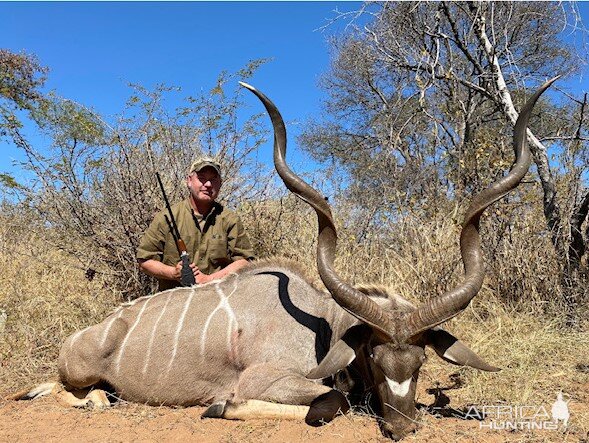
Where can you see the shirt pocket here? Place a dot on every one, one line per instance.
(217, 252)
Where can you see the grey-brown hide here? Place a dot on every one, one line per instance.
(253, 335)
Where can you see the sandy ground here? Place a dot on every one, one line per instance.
(47, 421)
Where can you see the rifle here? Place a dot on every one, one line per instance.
(186, 275)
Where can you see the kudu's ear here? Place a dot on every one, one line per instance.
(452, 350)
(342, 353)
(338, 357)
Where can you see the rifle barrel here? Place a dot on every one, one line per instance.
(176, 239)
(175, 231)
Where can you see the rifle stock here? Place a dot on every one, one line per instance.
(186, 274)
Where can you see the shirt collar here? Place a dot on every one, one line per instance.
(216, 209)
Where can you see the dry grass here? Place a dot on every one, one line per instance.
(537, 357)
(46, 296)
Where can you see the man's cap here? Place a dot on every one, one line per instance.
(203, 162)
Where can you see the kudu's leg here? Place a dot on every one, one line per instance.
(250, 409)
(80, 398)
(38, 391)
(95, 399)
(264, 391)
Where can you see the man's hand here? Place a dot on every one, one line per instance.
(202, 278)
(177, 275)
(198, 276)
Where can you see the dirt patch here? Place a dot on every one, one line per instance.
(46, 420)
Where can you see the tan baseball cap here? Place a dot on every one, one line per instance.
(203, 162)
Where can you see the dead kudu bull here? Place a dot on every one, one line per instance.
(259, 343)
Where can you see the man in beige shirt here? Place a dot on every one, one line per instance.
(214, 235)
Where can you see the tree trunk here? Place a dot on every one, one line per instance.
(552, 210)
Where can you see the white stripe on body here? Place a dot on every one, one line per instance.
(76, 336)
(109, 325)
(225, 306)
(179, 328)
(153, 334)
(129, 332)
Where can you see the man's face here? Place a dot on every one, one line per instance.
(204, 185)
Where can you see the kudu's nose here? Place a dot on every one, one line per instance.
(396, 433)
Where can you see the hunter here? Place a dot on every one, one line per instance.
(215, 238)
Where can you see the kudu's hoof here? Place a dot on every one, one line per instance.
(216, 410)
(325, 407)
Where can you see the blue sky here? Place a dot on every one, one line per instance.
(94, 50)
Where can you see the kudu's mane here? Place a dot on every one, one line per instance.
(286, 264)
(274, 263)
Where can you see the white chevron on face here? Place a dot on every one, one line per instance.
(399, 389)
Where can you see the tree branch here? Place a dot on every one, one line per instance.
(539, 151)
(457, 41)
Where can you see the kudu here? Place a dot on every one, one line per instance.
(258, 343)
